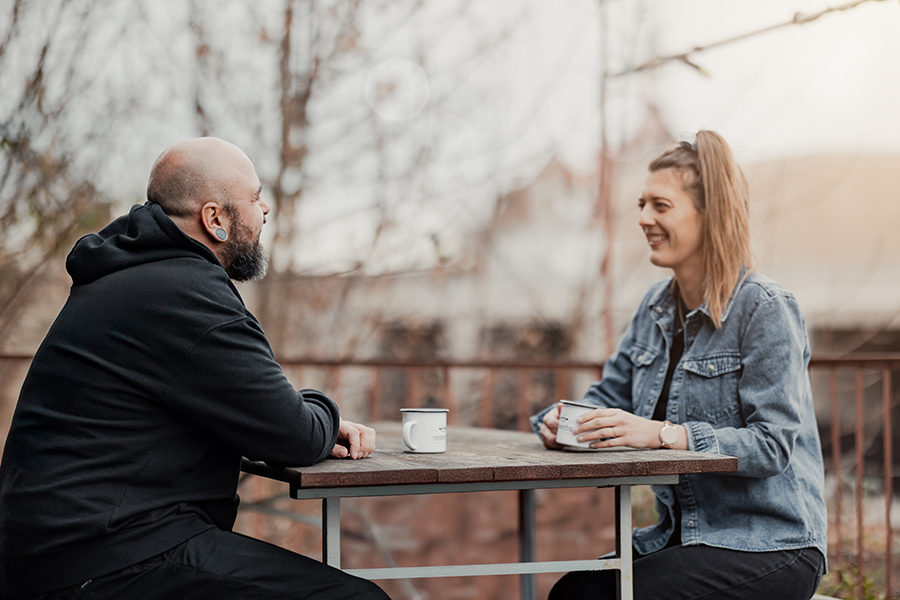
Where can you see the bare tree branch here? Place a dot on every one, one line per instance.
(685, 57)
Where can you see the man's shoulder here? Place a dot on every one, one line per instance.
(185, 286)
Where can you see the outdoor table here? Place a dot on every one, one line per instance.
(488, 460)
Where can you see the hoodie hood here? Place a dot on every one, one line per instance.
(146, 234)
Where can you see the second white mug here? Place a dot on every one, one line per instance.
(424, 429)
(568, 420)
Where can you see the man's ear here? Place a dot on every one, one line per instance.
(215, 221)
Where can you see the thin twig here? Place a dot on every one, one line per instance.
(685, 57)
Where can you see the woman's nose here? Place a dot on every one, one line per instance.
(646, 217)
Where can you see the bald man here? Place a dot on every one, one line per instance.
(120, 471)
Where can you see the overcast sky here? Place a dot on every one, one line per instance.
(826, 86)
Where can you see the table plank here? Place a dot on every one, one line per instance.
(484, 455)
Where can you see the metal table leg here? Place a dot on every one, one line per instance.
(527, 587)
(623, 542)
(331, 532)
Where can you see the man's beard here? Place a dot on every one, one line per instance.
(243, 256)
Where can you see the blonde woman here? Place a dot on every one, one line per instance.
(715, 360)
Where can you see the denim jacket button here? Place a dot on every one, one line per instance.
(710, 368)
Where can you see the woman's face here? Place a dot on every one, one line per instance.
(672, 224)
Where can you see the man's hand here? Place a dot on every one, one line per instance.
(354, 440)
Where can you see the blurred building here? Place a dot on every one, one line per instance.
(529, 284)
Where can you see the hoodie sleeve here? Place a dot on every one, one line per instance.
(230, 384)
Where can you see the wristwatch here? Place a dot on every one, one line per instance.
(668, 435)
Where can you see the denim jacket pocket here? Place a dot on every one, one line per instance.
(711, 387)
(641, 358)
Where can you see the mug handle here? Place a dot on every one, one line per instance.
(407, 438)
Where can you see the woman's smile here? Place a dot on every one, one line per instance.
(655, 239)
(671, 223)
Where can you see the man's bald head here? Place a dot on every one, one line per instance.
(196, 171)
(210, 190)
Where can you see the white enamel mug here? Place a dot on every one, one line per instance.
(568, 420)
(424, 429)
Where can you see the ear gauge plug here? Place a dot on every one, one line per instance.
(221, 234)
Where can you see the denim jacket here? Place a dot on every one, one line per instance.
(741, 390)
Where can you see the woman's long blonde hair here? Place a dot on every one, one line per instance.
(721, 196)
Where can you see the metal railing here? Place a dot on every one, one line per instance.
(412, 371)
(846, 465)
(854, 399)
(872, 418)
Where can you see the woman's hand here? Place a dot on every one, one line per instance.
(612, 427)
(549, 427)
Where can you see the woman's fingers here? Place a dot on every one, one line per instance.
(599, 418)
(614, 427)
(551, 419)
(549, 437)
(601, 433)
(549, 427)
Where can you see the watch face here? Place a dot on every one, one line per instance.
(668, 434)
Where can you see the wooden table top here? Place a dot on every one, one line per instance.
(486, 455)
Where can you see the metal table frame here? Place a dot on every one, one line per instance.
(483, 461)
(527, 568)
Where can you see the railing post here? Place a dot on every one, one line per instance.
(860, 472)
(413, 397)
(334, 383)
(375, 395)
(301, 376)
(561, 380)
(836, 452)
(486, 412)
(523, 398)
(449, 399)
(888, 476)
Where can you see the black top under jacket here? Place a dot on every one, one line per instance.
(150, 386)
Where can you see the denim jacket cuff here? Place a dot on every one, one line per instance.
(701, 437)
(537, 419)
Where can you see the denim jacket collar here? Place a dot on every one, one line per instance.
(663, 303)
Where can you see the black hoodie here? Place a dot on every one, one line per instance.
(151, 384)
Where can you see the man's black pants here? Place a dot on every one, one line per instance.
(221, 565)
